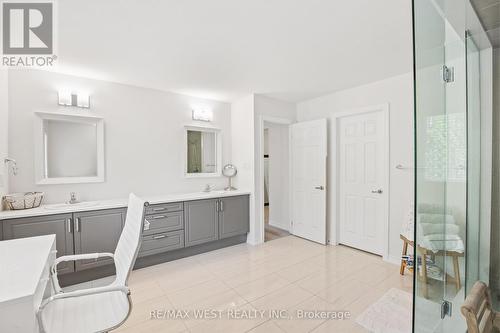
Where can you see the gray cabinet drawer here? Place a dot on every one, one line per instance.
(164, 222)
(162, 242)
(165, 208)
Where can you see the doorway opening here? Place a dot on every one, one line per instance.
(276, 181)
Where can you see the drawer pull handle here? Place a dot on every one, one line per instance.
(159, 209)
(159, 217)
(68, 225)
(77, 224)
(159, 237)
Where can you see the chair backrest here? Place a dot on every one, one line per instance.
(477, 309)
(130, 239)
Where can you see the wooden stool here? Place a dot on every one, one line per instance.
(424, 253)
(406, 242)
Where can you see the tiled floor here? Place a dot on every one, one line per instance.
(284, 274)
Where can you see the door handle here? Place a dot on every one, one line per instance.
(379, 191)
(221, 205)
(77, 224)
(68, 225)
(321, 187)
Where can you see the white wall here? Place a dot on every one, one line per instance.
(144, 131)
(398, 92)
(4, 116)
(242, 141)
(271, 110)
(279, 206)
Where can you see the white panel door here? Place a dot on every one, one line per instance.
(309, 150)
(363, 163)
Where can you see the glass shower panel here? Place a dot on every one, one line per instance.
(447, 164)
(430, 162)
(455, 219)
(441, 164)
(473, 162)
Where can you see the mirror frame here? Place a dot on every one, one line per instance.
(40, 153)
(218, 152)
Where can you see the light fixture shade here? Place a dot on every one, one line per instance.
(203, 114)
(64, 97)
(70, 98)
(83, 100)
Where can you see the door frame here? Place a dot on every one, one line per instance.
(259, 190)
(336, 117)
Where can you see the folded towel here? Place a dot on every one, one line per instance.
(429, 208)
(433, 228)
(441, 242)
(439, 219)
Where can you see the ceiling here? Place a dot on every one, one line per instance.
(224, 49)
(489, 14)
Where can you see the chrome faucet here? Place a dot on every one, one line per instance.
(73, 199)
(208, 188)
(14, 165)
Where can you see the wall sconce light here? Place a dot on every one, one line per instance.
(69, 98)
(203, 115)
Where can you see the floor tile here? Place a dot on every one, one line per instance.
(261, 287)
(282, 299)
(288, 273)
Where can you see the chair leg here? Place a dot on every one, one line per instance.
(456, 269)
(424, 275)
(403, 263)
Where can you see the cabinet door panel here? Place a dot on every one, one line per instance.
(234, 216)
(200, 222)
(97, 231)
(59, 225)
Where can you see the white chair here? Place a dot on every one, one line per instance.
(103, 308)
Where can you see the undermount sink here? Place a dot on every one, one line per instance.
(68, 205)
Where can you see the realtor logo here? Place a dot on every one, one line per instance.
(27, 28)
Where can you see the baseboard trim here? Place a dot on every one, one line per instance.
(159, 258)
(279, 226)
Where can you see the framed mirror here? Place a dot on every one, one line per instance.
(68, 148)
(203, 147)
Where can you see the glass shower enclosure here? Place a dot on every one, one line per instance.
(448, 157)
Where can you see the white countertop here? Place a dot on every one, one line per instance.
(22, 262)
(117, 203)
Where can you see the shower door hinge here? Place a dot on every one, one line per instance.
(448, 74)
(446, 308)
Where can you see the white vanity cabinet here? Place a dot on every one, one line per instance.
(175, 227)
